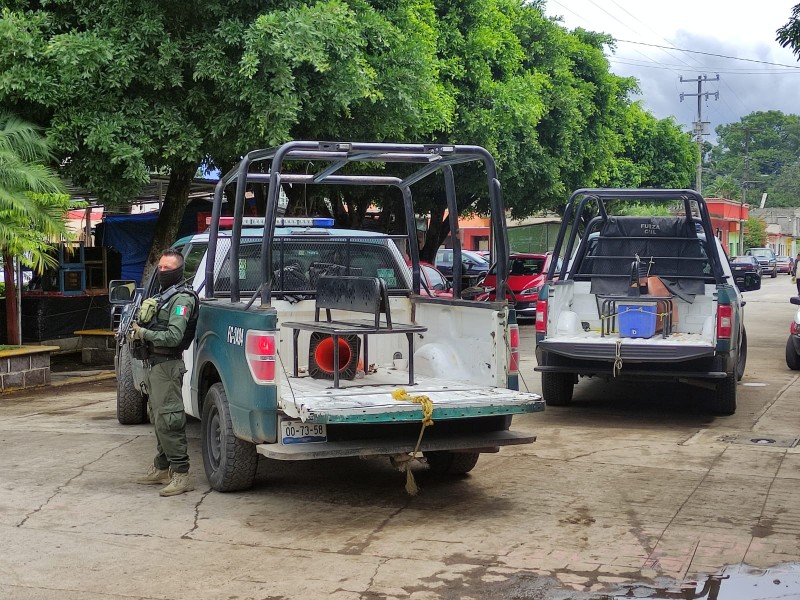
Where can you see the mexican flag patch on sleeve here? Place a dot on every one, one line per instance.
(181, 310)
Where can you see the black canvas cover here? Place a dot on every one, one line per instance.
(667, 247)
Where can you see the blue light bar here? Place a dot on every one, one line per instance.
(304, 222)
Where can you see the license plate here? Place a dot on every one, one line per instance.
(297, 432)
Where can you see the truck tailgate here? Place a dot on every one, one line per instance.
(370, 400)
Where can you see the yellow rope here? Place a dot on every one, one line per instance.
(427, 413)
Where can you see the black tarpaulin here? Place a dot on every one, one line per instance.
(667, 247)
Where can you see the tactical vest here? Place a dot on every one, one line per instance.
(191, 325)
(147, 351)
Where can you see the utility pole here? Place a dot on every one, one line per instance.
(701, 127)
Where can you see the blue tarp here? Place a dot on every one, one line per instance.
(131, 236)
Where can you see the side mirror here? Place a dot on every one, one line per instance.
(795, 299)
(121, 291)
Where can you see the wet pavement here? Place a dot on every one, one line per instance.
(626, 493)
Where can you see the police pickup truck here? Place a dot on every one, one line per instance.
(314, 342)
(645, 293)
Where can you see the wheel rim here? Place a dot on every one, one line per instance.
(214, 440)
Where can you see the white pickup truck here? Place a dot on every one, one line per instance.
(643, 298)
(314, 342)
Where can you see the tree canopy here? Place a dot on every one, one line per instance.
(758, 154)
(127, 88)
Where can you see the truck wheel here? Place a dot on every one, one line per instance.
(230, 463)
(774, 273)
(792, 358)
(557, 388)
(741, 360)
(131, 404)
(723, 402)
(451, 463)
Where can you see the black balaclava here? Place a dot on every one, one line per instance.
(170, 277)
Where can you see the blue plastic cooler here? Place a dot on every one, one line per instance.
(637, 320)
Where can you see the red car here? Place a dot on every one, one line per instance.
(434, 283)
(526, 274)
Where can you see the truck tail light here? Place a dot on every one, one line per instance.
(260, 351)
(724, 321)
(513, 342)
(794, 328)
(541, 316)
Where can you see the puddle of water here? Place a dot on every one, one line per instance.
(734, 583)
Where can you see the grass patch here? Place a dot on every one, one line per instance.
(6, 347)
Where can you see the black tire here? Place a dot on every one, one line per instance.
(557, 388)
(230, 463)
(131, 404)
(723, 400)
(451, 463)
(792, 358)
(774, 273)
(741, 361)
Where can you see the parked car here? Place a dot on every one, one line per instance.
(785, 264)
(793, 343)
(472, 263)
(766, 257)
(434, 283)
(746, 269)
(526, 274)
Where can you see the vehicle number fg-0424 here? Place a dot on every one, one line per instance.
(297, 432)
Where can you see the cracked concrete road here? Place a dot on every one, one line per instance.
(625, 485)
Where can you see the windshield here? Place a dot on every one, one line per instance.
(762, 252)
(522, 266)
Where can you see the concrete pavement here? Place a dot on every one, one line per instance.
(621, 487)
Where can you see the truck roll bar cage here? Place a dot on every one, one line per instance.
(332, 157)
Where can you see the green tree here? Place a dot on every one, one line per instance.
(32, 206)
(755, 233)
(789, 34)
(723, 186)
(651, 152)
(756, 149)
(785, 190)
(539, 98)
(132, 87)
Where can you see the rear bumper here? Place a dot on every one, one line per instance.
(656, 362)
(482, 442)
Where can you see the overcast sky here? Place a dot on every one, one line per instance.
(744, 30)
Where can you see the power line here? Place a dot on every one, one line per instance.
(635, 62)
(638, 20)
(763, 62)
(585, 20)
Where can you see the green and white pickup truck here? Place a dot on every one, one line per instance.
(645, 293)
(285, 300)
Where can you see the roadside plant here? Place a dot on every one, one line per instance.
(33, 204)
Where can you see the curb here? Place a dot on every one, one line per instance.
(84, 379)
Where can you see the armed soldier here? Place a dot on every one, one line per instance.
(165, 328)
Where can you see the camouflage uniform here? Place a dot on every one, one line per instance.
(163, 381)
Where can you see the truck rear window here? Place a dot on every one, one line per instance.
(297, 264)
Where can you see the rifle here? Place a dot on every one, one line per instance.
(129, 314)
